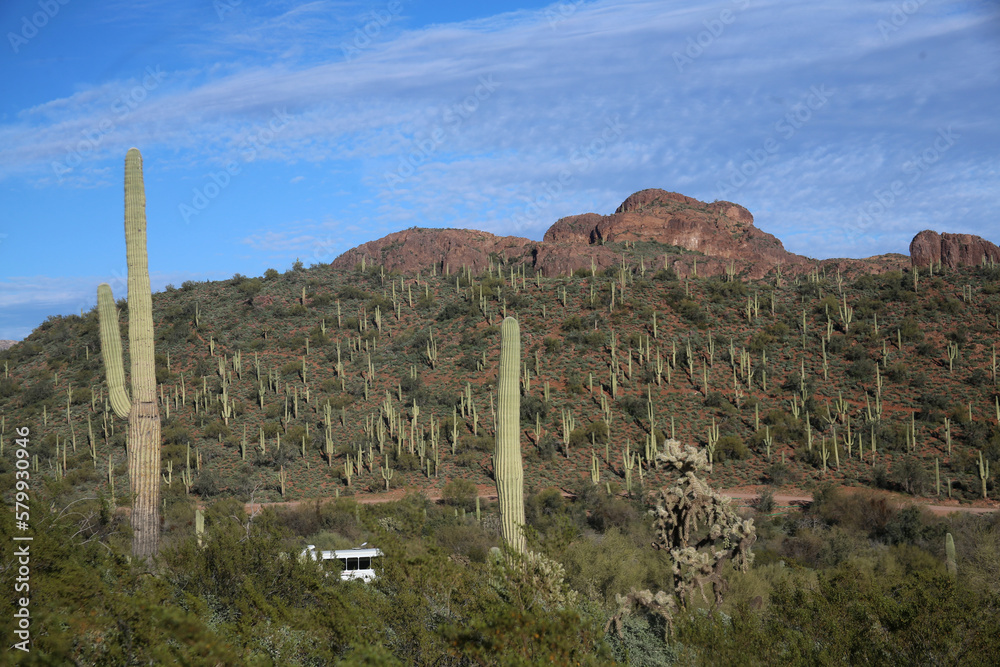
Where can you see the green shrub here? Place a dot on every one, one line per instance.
(460, 492)
(731, 447)
(352, 292)
(778, 474)
(532, 406)
(572, 324)
(597, 430)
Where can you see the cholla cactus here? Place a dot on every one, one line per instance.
(699, 528)
(530, 579)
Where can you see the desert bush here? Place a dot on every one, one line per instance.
(731, 447)
(465, 540)
(764, 503)
(352, 292)
(910, 475)
(468, 459)
(778, 474)
(456, 309)
(530, 407)
(547, 447)
(460, 492)
(909, 330)
(611, 511)
(596, 431)
(39, 392)
(9, 387)
(862, 369)
(216, 429)
(206, 484)
(573, 383)
(601, 569)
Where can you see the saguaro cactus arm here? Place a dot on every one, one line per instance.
(111, 351)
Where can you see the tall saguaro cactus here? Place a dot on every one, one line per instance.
(507, 458)
(141, 410)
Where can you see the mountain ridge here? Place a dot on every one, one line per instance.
(691, 236)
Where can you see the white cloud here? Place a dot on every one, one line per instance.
(81, 291)
(408, 100)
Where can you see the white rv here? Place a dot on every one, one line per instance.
(357, 563)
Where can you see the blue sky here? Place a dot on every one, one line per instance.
(280, 130)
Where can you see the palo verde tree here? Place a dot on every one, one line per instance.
(141, 410)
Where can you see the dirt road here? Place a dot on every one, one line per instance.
(488, 492)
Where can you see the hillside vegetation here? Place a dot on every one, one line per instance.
(312, 385)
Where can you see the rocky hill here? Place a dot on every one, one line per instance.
(720, 229)
(5, 344)
(951, 250)
(663, 228)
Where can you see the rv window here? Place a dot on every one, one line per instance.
(343, 561)
(365, 563)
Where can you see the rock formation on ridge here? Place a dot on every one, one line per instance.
(951, 249)
(708, 237)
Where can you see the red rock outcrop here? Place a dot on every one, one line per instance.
(554, 259)
(876, 264)
(720, 229)
(418, 248)
(951, 250)
(707, 238)
(573, 229)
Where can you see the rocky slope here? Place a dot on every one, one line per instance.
(686, 234)
(720, 229)
(951, 249)
(4, 344)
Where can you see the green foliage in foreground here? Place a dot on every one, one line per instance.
(852, 615)
(850, 581)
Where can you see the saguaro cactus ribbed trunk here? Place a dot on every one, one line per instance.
(141, 410)
(507, 459)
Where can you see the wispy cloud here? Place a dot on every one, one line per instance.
(20, 291)
(408, 128)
